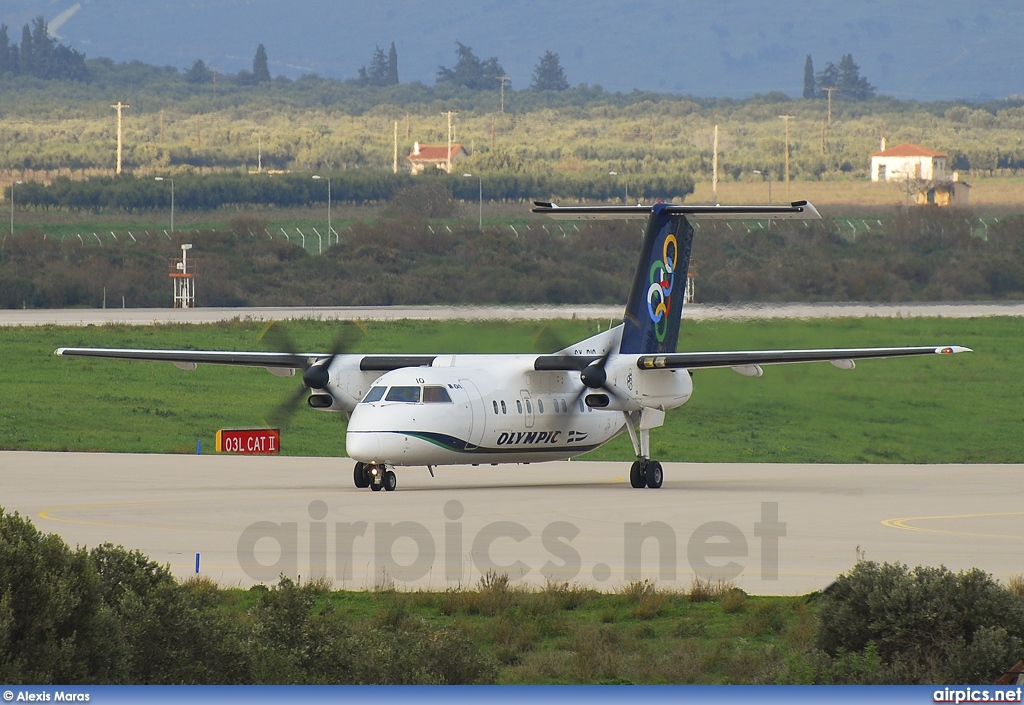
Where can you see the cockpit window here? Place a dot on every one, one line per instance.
(410, 395)
(436, 395)
(375, 394)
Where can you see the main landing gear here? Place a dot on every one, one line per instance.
(644, 472)
(376, 477)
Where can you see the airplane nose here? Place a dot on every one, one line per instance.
(363, 446)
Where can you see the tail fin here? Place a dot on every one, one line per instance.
(655, 305)
(651, 321)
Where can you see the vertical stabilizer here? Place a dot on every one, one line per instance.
(655, 304)
(651, 321)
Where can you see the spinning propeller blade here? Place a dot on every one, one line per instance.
(315, 368)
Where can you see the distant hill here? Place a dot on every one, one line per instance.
(919, 49)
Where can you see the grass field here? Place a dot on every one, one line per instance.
(964, 408)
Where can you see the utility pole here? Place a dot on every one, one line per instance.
(119, 107)
(787, 118)
(714, 167)
(259, 155)
(450, 113)
(394, 166)
(503, 79)
(829, 89)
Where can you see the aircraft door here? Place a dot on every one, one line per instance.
(527, 407)
(478, 419)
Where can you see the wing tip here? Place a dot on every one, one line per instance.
(952, 350)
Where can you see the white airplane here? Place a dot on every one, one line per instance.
(443, 409)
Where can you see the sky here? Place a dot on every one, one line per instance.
(920, 49)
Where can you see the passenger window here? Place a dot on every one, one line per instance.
(495, 406)
(410, 395)
(564, 410)
(503, 410)
(375, 394)
(519, 406)
(436, 395)
(529, 407)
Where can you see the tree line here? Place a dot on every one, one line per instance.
(918, 254)
(844, 78)
(210, 192)
(39, 55)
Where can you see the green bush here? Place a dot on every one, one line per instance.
(925, 625)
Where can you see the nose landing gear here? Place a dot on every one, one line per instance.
(376, 477)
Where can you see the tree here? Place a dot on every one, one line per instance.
(846, 79)
(260, 67)
(549, 75)
(808, 78)
(26, 63)
(828, 77)
(379, 71)
(393, 66)
(5, 51)
(42, 49)
(852, 85)
(470, 72)
(199, 73)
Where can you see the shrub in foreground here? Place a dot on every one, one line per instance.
(891, 623)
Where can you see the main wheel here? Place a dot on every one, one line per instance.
(360, 476)
(390, 480)
(376, 486)
(637, 477)
(655, 475)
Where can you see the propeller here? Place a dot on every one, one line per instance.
(594, 376)
(316, 373)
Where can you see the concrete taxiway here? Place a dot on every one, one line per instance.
(697, 312)
(771, 529)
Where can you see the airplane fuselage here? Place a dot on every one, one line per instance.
(478, 409)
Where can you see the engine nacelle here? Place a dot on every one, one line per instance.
(346, 386)
(641, 389)
(662, 389)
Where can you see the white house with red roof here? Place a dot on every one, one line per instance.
(425, 155)
(908, 161)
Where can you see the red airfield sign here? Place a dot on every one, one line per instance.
(253, 441)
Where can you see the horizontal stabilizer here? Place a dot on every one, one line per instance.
(798, 210)
(743, 358)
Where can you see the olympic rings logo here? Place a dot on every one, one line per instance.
(662, 278)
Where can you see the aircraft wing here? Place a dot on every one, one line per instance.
(270, 360)
(840, 357)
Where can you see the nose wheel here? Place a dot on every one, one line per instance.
(376, 477)
(360, 476)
